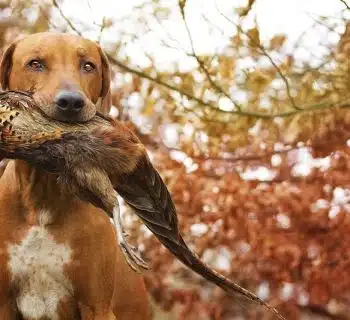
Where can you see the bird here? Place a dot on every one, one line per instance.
(97, 161)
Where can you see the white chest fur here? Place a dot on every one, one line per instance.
(36, 266)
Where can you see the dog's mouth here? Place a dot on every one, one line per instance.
(52, 111)
(69, 116)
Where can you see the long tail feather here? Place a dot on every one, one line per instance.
(146, 193)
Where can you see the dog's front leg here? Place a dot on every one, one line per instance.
(93, 268)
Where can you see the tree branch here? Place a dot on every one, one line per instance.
(345, 4)
(320, 106)
(102, 28)
(65, 18)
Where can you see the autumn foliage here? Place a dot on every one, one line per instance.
(261, 184)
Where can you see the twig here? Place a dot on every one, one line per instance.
(89, 5)
(65, 18)
(170, 37)
(214, 26)
(345, 4)
(301, 36)
(318, 20)
(102, 27)
(47, 18)
(263, 50)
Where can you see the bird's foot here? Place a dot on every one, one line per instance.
(131, 254)
(132, 258)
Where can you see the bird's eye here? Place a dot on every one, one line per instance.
(36, 65)
(88, 66)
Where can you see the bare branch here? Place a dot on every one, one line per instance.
(157, 80)
(169, 36)
(345, 4)
(102, 28)
(65, 18)
(46, 16)
(319, 20)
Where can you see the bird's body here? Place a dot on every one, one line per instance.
(95, 159)
(88, 155)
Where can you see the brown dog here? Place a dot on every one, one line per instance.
(58, 256)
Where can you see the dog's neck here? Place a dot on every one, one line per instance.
(39, 191)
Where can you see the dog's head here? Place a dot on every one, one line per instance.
(68, 75)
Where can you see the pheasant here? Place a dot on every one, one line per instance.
(96, 161)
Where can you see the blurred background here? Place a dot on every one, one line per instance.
(244, 108)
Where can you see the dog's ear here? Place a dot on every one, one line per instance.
(6, 65)
(105, 96)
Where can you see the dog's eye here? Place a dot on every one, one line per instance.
(88, 67)
(36, 65)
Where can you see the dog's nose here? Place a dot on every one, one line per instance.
(69, 102)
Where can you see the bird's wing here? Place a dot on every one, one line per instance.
(145, 191)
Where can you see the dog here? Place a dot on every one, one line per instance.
(59, 258)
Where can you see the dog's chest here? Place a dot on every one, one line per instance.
(36, 267)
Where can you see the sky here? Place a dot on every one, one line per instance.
(290, 17)
(274, 16)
